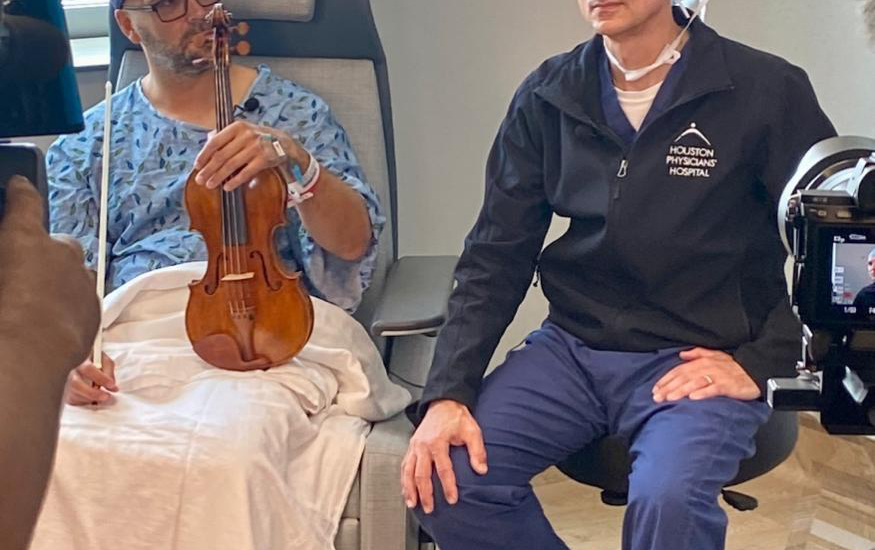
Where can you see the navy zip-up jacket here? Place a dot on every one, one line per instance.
(673, 237)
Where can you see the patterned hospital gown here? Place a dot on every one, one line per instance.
(151, 158)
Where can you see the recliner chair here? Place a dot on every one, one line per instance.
(332, 47)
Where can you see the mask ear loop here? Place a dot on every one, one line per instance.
(673, 46)
(684, 9)
(701, 8)
(698, 13)
(669, 55)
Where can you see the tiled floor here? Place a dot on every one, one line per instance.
(822, 498)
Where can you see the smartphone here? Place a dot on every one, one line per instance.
(26, 160)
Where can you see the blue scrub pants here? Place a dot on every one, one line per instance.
(553, 397)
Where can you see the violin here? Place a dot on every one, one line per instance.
(247, 312)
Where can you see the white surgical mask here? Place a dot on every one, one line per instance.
(670, 54)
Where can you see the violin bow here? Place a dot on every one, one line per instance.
(101, 232)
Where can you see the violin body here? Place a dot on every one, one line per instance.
(247, 312)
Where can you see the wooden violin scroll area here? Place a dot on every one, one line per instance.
(242, 48)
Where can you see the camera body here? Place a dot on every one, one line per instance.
(827, 221)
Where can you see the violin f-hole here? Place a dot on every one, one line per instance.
(211, 277)
(265, 272)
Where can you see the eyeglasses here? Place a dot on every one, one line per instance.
(169, 10)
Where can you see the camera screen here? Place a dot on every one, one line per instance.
(853, 275)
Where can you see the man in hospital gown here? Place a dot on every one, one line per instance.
(191, 442)
(161, 131)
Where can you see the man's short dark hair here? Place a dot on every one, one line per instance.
(869, 17)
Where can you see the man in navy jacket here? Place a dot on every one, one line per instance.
(668, 303)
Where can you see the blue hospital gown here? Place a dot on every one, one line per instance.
(151, 158)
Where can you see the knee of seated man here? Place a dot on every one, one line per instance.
(490, 489)
(465, 475)
(667, 488)
(499, 472)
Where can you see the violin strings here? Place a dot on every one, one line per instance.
(223, 123)
(234, 196)
(229, 197)
(227, 235)
(224, 205)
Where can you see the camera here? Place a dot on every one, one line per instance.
(827, 222)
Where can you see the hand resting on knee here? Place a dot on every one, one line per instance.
(446, 423)
(705, 374)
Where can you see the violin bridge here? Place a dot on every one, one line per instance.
(231, 277)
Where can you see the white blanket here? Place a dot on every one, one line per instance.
(190, 457)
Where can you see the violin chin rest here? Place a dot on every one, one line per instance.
(222, 351)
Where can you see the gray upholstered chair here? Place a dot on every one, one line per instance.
(332, 48)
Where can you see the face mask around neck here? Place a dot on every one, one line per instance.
(668, 56)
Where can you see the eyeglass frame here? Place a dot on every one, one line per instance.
(153, 7)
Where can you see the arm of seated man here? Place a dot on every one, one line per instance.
(336, 216)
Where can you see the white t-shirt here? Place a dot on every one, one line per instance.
(636, 105)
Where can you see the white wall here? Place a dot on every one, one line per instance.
(825, 37)
(454, 64)
(453, 67)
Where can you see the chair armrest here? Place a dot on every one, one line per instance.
(385, 522)
(411, 361)
(415, 297)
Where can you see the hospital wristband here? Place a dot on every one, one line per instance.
(299, 187)
(302, 186)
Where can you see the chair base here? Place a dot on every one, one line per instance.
(739, 501)
(614, 498)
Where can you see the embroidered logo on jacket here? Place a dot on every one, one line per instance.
(691, 155)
